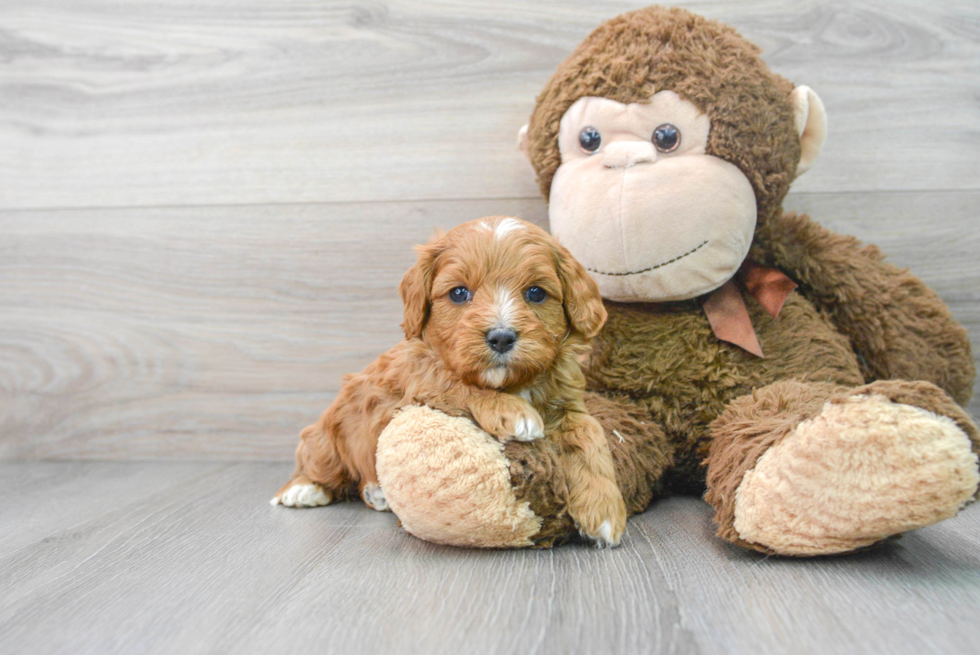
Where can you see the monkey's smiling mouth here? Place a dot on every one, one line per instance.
(655, 267)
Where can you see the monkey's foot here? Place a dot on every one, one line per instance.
(858, 472)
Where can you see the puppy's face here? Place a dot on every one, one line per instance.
(496, 298)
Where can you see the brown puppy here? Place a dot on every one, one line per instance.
(497, 316)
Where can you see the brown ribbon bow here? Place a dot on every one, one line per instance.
(726, 311)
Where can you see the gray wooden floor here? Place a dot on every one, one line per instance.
(205, 210)
(128, 557)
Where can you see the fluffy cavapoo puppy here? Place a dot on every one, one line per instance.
(497, 317)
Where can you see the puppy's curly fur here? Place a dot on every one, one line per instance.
(498, 316)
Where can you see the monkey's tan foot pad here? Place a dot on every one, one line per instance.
(857, 473)
(302, 493)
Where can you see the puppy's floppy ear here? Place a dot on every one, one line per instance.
(583, 304)
(415, 289)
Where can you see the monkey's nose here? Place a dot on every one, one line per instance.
(501, 340)
(623, 154)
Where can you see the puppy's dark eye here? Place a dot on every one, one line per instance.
(459, 295)
(590, 139)
(535, 295)
(666, 138)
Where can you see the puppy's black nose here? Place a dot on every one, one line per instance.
(501, 340)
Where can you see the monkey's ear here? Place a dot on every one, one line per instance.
(415, 289)
(522, 142)
(811, 125)
(583, 304)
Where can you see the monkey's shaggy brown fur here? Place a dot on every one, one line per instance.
(680, 407)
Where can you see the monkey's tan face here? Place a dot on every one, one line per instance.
(642, 206)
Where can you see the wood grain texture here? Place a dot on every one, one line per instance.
(204, 565)
(245, 102)
(220, 332)
(205, 209)
(212, 332)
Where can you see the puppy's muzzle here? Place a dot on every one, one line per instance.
(501, 340)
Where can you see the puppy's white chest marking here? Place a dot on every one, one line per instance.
(494, 377)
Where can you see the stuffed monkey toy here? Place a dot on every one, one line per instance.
(809, 389)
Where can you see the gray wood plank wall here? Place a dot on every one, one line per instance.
(206, 206)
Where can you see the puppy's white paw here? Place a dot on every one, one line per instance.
(303, 495)
(528, 428)
(606, 535)
(605, 538)
(374, 498)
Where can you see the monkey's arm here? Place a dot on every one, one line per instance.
(898, 326)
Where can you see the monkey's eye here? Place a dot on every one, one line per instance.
(535, 295)
(590, 139)
(666, 138)
(459, 295)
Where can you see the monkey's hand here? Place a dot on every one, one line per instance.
(507, 417)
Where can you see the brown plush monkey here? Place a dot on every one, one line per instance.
(808, 387)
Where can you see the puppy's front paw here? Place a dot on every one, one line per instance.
(605, 537)
(507, 417)
(599, 513)
(518, 420)
(374, 497)
(529, 427)
(302, 494)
